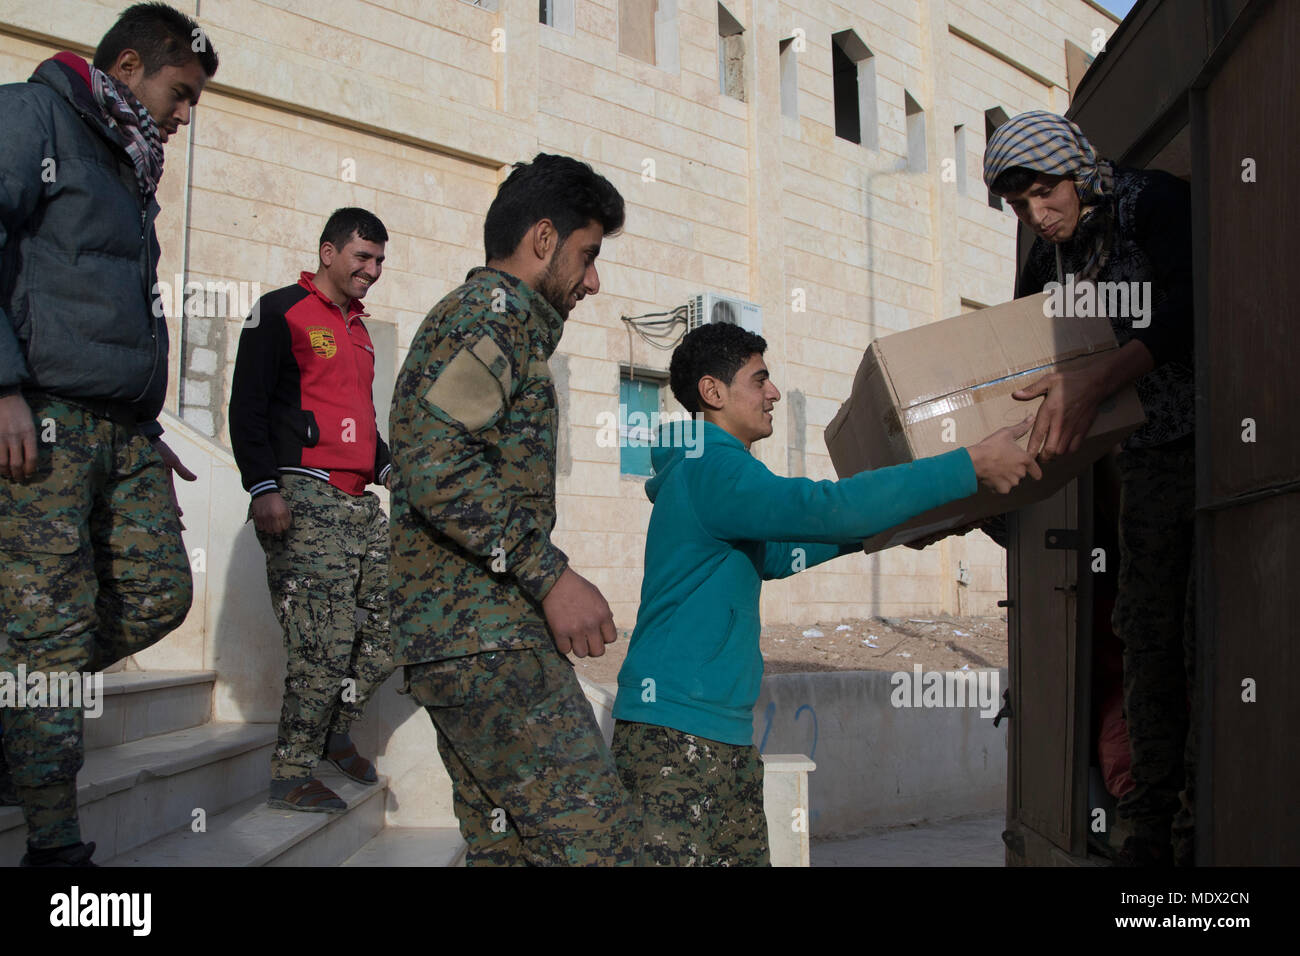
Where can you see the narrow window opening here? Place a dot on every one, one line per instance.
(915, 133)
(731, 55)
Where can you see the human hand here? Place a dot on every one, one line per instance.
(17, 438)
(1066, 414)
(579, 616)
(271, 515)
(999, 462)
(174, 467)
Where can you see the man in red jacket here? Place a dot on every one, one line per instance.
(302, 425)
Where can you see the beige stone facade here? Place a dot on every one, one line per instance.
(413, 109)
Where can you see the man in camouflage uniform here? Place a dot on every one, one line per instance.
(94, 568)
(484, 605)
(302, 425)
(701, 799)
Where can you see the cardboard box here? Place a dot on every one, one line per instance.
(927, 391)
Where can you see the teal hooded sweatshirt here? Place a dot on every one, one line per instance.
(722, 523)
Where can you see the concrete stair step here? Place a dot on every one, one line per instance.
(135, 792)
(254, 834)
(139, 704)
(411, 846)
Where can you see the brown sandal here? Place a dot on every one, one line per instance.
(352, 765)
(312, 796)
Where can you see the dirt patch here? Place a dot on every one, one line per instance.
(936, 642)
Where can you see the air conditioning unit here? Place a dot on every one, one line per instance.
(710, 307)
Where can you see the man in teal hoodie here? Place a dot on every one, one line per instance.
(721, 524)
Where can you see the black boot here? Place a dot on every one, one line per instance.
(8, 792)
(78, 854)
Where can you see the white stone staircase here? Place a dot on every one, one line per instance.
(190, 725)
(164, 785)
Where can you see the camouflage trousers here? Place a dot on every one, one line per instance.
(94, 569)
(1153, 618)
(328, 577)
(534, 783)
(701, 801)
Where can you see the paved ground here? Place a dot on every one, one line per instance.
(973, 841)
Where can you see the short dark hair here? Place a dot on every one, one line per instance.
(162, 35)
(1016, 179)
(342, 223)
(718, 349)
(559, 188)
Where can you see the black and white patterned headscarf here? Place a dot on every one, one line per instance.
(1048, 143)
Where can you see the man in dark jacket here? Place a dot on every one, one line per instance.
(302, 425)
(90, 541)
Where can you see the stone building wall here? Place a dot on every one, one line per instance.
(415, 109)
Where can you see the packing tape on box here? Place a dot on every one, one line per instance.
(1062, 359)
(968, 396)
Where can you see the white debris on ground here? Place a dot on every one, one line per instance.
(944, 642)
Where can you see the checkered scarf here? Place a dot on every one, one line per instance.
(137, 128)
(1048, 143)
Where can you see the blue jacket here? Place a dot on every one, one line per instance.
(721, 524)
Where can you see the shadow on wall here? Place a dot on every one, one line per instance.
(247, 646)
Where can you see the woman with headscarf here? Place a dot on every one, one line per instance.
(1096, 222)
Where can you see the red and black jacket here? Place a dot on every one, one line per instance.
(301, 399)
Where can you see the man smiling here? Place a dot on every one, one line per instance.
(721, 525)
(90, 538)
(302, 425)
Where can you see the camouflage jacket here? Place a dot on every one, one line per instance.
(473, 432)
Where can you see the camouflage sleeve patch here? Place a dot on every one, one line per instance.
(472, 388)
(488, 352)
